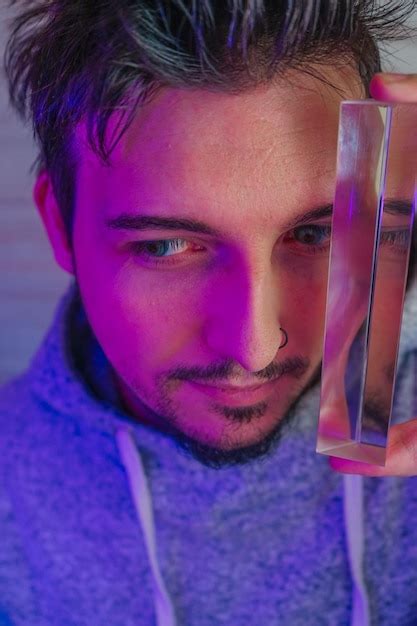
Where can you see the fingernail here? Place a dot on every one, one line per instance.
(393, 78)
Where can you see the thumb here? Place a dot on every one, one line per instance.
(394, 87)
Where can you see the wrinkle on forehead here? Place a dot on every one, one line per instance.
(294, 87)
(223, 150)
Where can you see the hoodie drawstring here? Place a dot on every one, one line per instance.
(354, 526)
(139, 490)
(353, 519)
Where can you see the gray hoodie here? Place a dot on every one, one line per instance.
(107, 522)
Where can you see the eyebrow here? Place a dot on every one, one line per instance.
(399, 207)
(145, 222)
(129, 222)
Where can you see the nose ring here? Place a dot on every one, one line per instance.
(286, 339)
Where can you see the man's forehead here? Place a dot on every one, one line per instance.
(198, 120)
(220, 156)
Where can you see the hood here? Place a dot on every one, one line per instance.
(59, 364)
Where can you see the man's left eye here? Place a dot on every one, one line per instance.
(160, 247)
(163, 250)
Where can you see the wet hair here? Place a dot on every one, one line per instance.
(71, 60)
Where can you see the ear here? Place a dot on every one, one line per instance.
(48, 208)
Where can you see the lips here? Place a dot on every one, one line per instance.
(236, 389)
(248, 395)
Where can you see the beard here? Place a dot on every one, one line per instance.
(165, 419)
(218, 458)
(81, 343)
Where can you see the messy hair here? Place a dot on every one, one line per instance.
(72, 60)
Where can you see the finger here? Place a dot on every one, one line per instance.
(394, 87)
(401, 455)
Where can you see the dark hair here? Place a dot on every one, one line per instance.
(68, 60)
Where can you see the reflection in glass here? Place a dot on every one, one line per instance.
(372, 226)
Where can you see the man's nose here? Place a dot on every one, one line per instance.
(243, 318)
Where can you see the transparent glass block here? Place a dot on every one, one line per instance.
(372, 226)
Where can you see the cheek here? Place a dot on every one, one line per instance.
(143, 324)
(139, 317)
(305, 311)
(160, 326)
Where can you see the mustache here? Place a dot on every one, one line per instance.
(295, 366)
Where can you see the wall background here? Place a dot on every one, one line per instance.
(30, 280)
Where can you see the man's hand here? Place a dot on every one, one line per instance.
(401, 455)
(402, 438)
(394, 87)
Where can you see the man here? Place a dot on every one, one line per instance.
(137, 487)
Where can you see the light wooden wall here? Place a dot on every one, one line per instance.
(30, 280)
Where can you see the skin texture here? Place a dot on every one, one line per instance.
(246, 165)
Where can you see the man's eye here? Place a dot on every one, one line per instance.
(313, 238)
(161, 247)
(310, 239)
(160, 251)
(398, 239)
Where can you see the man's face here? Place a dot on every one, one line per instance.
(172, 308)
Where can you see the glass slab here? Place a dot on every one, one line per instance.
(372, 229)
